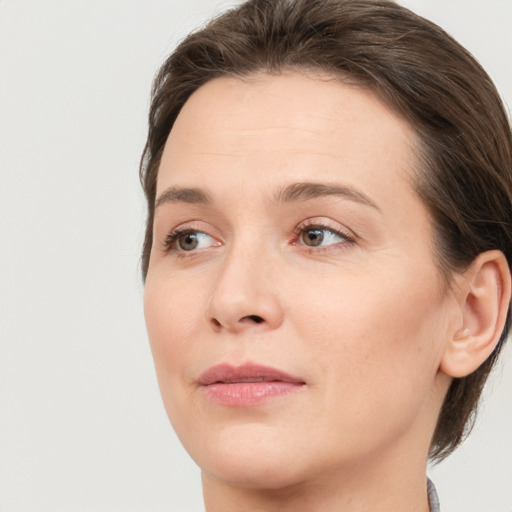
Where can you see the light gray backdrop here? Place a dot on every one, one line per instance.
(81, 423)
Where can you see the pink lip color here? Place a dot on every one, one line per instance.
(250, 384)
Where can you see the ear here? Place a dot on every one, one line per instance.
(484, 301)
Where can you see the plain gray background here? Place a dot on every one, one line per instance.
(82, 427)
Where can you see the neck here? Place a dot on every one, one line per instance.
(357, 489)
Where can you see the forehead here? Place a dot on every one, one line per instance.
(289, 126)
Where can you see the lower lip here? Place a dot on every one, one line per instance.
(244, 394)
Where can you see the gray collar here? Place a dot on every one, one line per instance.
(433, 500)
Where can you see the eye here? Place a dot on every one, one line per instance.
(321, 236)
(188, 240)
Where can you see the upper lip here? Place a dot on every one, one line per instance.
(226, 373)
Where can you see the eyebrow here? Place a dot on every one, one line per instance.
(291, 193)
(184, 195)
(305, 191)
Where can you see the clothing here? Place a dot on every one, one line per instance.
(433, 500)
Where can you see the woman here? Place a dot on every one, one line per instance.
(326, 257)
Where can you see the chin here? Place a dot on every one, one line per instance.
(245, 473)
(262, 463)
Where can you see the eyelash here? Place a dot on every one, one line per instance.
(173, 237)
(307, 226)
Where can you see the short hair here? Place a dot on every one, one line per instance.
(464, 174)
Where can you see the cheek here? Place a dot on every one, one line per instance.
(375, 358)
(373, 330)
(173, 313)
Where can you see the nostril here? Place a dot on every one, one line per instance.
(254, 318)
(215, 322)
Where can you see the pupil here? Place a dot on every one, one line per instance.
(314, 237)
(188, 242)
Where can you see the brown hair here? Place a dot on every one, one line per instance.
(465, 176)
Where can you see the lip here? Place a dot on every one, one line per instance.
(248, 384)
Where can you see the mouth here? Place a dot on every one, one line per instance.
(246, 385)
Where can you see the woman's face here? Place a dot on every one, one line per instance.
(294, 308)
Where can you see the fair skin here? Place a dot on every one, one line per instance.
(337, 287)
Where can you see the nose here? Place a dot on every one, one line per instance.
(245, 294)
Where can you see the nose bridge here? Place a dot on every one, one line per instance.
(245, 293)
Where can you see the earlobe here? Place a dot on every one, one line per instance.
(484, 302)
